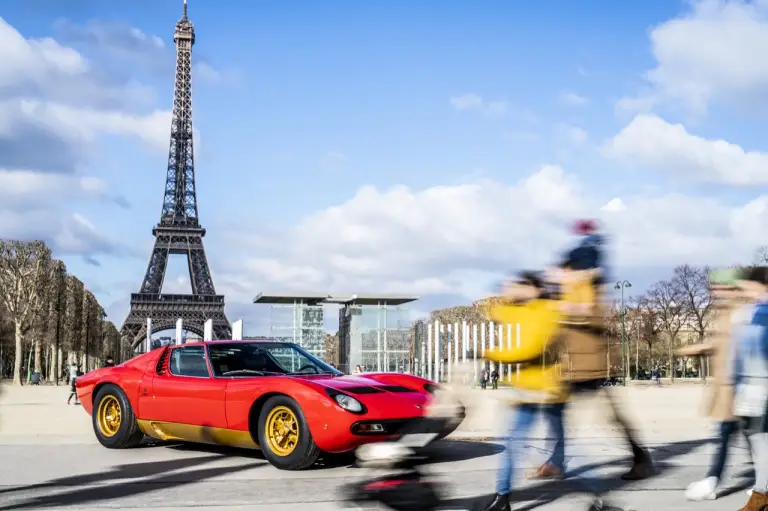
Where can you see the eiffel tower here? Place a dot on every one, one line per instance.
(179, 230)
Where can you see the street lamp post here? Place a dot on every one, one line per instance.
(621, 285)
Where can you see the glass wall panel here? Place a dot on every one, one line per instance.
(301, 324)
(382, 337)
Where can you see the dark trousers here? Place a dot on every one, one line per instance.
(495, 383)
(483, 384)
(555, 419)
(72, 393)
(727, 430)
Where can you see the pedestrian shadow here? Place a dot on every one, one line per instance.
(449, 451)
(134, 479)
(547, 492)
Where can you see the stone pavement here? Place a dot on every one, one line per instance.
(38, 414)
(51, 460)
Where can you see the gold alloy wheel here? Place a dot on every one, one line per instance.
(282, 430)
(109, 416)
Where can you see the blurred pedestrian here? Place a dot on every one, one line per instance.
(537, 390)
(579, 279)
(750, 377)
(728, 314)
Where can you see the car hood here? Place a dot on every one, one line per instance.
(353, 382)
(384, 395)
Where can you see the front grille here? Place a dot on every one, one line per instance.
(391, 426)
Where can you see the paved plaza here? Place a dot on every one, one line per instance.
(51, 460)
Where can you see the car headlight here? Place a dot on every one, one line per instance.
(348, 403)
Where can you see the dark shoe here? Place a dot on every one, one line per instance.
(546, 471)
(499, 503)
(639, 471)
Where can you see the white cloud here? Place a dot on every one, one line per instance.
(470, 102)
(715, 51)
(573, 99)
(614, 205)
(649, 141)
(54, 106)
(460, 239)
(111, 36)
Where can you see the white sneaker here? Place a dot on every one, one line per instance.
(749, 492)
(702, 490)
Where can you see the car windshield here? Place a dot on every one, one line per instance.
(264, 359)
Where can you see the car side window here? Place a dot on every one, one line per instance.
(189, 361)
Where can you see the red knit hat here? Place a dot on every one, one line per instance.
(585, 227)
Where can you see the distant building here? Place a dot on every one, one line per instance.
(374, 333)
(374, 330)
(298, 318)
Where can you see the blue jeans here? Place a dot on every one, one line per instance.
(519, 429)
(554, 416)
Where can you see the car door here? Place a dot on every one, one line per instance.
(184, 393)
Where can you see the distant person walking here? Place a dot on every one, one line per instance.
(358, 370)
(73, 374)
(484, 379)
(494, 380)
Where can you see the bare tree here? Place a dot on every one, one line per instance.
(649, 325)
(58, 306)
(25, 271)
(698, 302)
(667, 299)
(331, 343)
(761, 256)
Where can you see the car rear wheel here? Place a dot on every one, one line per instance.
(114, 422)
(284, 436)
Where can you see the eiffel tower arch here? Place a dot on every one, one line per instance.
(179, 230)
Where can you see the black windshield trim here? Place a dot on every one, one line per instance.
(325, 368)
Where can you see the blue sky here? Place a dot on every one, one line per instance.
(422, 147)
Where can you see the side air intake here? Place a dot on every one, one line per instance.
(162, 364)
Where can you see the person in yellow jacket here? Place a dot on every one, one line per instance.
(571, 319)
(537, 390)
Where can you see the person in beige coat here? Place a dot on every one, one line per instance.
(718, 403)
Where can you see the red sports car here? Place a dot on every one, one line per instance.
(264, 395)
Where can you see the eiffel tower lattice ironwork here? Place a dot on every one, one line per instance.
(179, 230)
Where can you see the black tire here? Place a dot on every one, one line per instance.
(305, 452)
(127, 433)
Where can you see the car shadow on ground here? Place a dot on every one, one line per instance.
(120, 482)
(442, 451)
(549, 491)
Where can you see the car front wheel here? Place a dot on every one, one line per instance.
(284, 436)
(114, 422)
